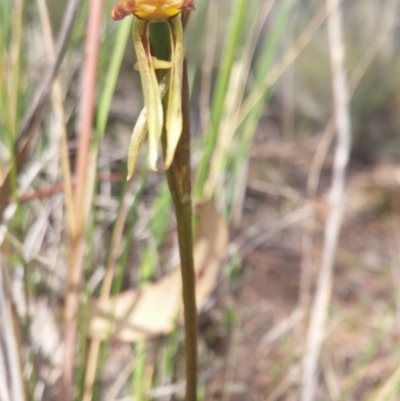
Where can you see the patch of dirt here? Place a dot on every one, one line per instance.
(263, 363)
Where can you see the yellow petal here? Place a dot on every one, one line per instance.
(151, 10)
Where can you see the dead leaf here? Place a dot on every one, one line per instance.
(209, 250)
(138, 315)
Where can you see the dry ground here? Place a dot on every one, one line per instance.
(361, 347)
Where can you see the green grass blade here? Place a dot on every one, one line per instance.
(230, 50)
(158, 227)
(196, 39)
(111, 77)
(263, 66)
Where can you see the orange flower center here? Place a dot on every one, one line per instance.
(151, 10)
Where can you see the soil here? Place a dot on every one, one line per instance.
(263, 363)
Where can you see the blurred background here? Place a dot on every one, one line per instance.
(263, 144)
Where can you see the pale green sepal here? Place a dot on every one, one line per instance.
(138, 134)
(152, 98)
(140, 131)
(157, 64)
(174, 111)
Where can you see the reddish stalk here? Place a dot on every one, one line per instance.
(88, 97)
(84, 182)
(59, 187)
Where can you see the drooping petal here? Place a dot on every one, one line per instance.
(138, 134)
(174, 109)
(152, 98)
(140, 130)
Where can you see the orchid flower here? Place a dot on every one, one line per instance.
(151, 119)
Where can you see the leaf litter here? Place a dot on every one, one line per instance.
(135, 315)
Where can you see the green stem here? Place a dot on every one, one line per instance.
(179, 182)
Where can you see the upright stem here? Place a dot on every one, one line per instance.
(179, 182)
(180, 186)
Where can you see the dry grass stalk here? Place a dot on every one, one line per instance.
(319, 159)
(94, 349)
(337, 193)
